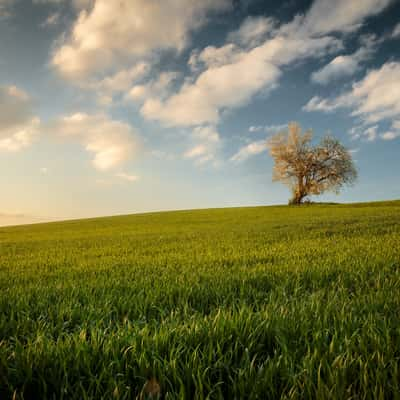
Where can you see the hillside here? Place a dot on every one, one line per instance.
(262, 302)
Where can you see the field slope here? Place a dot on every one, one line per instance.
(264, 302)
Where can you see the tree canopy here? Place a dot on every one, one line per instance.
(307, 169)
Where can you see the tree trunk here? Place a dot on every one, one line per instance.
(297, 199)
(299, 192)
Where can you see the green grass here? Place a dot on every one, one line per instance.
(265, 302)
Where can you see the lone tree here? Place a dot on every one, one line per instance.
(310, 170)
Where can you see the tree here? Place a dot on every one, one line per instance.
(310, 170)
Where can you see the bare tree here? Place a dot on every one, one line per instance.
(310, 170)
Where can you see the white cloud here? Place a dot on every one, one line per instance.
(375, 98)
(123, 79)
(117, 83)
(369, 134)
(114, 31)
(212, 56)
(341, 15)
(18, 126)
(269, 129)
(257, 128)
(229, 76)
(206, 133)
(235, 83)
(394, 133)
(318, 103)
(390, 135)
(196, 151)
(253, 30)
(249, 150)
(396, 31)
(346, 65)
(207, 140)
(111, 142)
(340, 66)
(158, 87)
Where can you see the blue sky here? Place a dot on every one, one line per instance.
(121, 106)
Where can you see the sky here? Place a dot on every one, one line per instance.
(122, 106)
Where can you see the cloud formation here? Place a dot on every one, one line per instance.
(393, 133)
(270, 129)
(233, 73)
(396, 31)
(373, 99)
(18, 126)
(253, 30)
(114, 31)
(206, 144)
(111, 142)
(232, 84)
(249, 150)
(345, 16)
(345, 65)
(118, 58)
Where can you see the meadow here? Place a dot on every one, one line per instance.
(243, 303)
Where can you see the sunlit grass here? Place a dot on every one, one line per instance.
(266, 302)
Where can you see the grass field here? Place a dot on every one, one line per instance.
(264, 302)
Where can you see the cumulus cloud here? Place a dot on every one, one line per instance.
(327, 16)
(222, 78)
(230, 76)
(154, 87)
(114, 31)
(253, 30)
(345, 65)
(339, 67)
(212, 56)
(122, 80)
(206, 143)
(373, 99)
(111, 142)
(18, 126)
(233, 84)
(249, 150)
